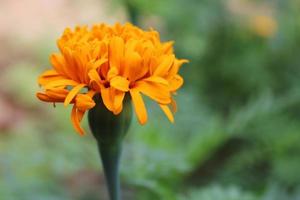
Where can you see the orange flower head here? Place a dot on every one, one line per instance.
(111, 61)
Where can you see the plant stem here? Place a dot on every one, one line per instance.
(110, 156)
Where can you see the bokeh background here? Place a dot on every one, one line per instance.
(237, 131)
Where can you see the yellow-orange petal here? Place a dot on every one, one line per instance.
(98, 63)
(95, 79)
(84, 102)
(112, 72)
(156, 79)
(175, 67)
(43, 97)
(116, 51)
(59, 94)
(168, 112)
(132, 69)
(139, 106)
(168, 47)
(61, 82)
(175, 82)
(164, 66)
(73, 93)
(118, 101)
(49, 76)
(58, 63)
(158, 92)
(75, 118)
(120, 83)
(107, 98)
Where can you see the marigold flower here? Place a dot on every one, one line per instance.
(112, 61)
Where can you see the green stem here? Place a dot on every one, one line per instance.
(110, 156)
(109, 131)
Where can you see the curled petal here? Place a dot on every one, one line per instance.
(44, 97)
(175, 82)
(76, 117)
(73, 93)
(84, 102)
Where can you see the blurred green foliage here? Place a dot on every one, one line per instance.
(237, 131)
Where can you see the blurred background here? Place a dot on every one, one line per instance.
(237, 131)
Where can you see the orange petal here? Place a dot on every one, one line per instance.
(58, 63)
(43, 97)
(118, 101)
(98, 63)
(75, 118)
(175, 82)
(70, 68)
(107, 98)
(158, 92)
(133, 69)
(61, 82)
(168, 47)
(163, 68)
(116, 52)
(168, 112)
(112, 72)
(73, 93)
(175, 67)
(84, 102)
(48, 76)
(57, 94)
(139, 106)
(95, 78)
(156, 79)
(120, 83)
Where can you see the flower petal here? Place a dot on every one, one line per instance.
(120, 83)
(116, 52)
(61, 82)
(139, 106)
(156, 79)
(73, 93)
(107, 98)
(163, 68)
(118, 101)
(168, 112)
(112, 72)
(76, 117)
(175, 82)
(58, 63)
(49, 76)
(132, 69)
(84, 102)
(59, 94)
(158, 92)
(44, 97)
